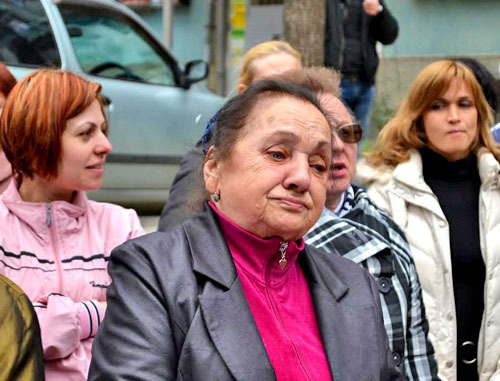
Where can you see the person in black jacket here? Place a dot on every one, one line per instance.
(352, 30)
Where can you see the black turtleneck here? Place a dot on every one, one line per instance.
(456, 185)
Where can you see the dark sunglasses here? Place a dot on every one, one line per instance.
(350, 133)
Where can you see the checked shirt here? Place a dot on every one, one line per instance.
(366, 235)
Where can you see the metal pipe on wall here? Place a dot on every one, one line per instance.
(220, 46)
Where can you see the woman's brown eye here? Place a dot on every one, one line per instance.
(437, 106)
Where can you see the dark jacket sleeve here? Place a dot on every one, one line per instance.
(187, 184)
(384, 27)
(21, 355)
(136, 339)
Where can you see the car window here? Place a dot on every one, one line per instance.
(109, 44)
(26, 37)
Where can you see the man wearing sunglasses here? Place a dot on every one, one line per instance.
(352, 226)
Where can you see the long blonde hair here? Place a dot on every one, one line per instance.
(406, 131)
(260, 51)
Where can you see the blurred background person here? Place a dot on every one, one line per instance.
(7, 82)
(234, 293)
(490, 89)
(435, 169)
(353, 227)
(263, 60)
(55, 243)
(21, 355)
(352, 29)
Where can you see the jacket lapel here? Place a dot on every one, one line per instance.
(327, 290)
(225, 310)
(235, 334)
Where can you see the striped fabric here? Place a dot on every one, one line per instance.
(367, 235)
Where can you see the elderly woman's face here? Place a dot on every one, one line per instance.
(450, 124)
(274, 181)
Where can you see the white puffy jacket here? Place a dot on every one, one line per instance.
(402, 192)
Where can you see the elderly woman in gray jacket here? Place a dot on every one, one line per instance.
(234, 293)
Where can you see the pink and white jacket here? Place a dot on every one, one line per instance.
(58, 254)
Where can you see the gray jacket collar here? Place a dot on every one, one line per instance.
(204, 237)
(226, 311)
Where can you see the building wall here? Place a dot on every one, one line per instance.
(431, 30)
(446, 27)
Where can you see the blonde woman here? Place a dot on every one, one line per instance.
(263, 60)
(435, 169)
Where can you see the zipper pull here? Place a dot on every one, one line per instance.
(48, 219)
(283, 262)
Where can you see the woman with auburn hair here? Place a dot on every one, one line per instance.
(7, 82)
(435, 169)
(263, 60)
(54, 242)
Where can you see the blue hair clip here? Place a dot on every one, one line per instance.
(207, 135)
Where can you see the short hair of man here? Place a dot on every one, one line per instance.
(34, 119)
(317, 79)
(262, 50)
(7, 80)
(405, 130)
(236, 112)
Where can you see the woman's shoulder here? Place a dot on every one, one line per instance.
(110, 216)
(367, 174)
(13, 297)
(156, 248)
(382, 175)
(106, 208)
(489, 167)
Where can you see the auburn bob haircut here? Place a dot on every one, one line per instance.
(34, 118)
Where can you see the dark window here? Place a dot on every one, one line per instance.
(26, 37)
(109, 44)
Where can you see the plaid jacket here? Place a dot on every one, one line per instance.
(367, 235)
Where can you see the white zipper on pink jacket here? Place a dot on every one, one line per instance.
(58, 253)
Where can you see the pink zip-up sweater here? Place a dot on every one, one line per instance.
(58, 254)
(280, 302)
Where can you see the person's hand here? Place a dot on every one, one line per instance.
(371, 7)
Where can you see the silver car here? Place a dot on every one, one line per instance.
(155, 114)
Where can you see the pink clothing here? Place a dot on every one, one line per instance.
(58, 254)
(280, 302)
(5, 172)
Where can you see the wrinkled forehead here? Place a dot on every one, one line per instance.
(285, 111)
